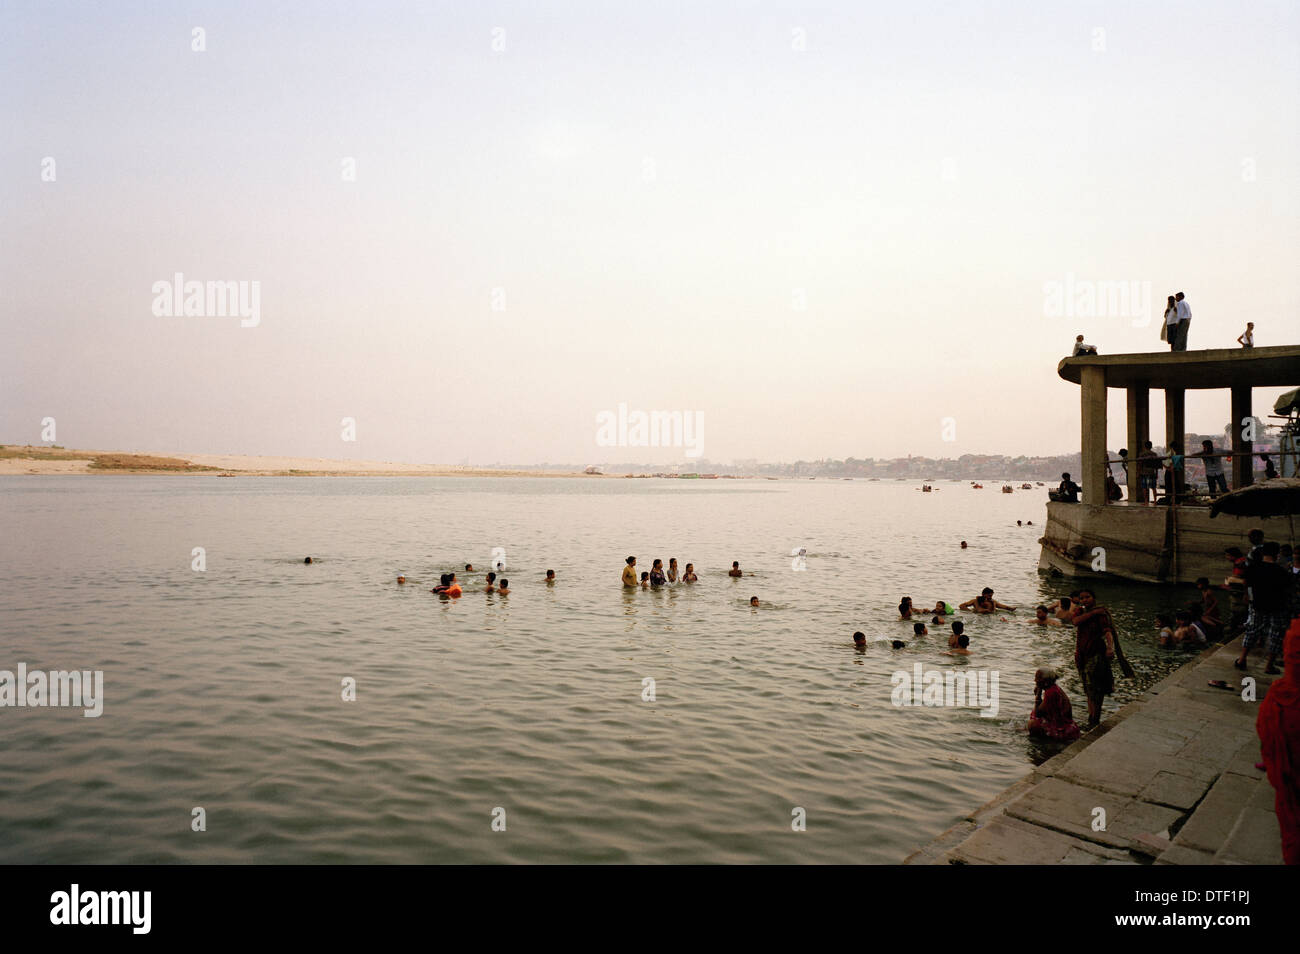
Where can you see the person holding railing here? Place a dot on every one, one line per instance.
(1148, 464)
(1213, 468)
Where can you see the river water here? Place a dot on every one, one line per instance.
(532, 713)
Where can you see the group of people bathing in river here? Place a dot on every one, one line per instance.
(449, 586)
(657, 576)
(1095, 646)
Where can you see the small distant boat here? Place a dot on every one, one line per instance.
(977, 486)
(1007, 489)
(926, 488)
(1026, 487)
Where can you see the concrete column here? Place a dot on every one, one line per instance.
(1175, 423)
(1175, 426)
(1092, 389)
(1139, 432)
(1243, 468)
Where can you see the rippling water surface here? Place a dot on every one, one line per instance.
(222, 687)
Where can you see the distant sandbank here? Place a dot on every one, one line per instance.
(41, 459)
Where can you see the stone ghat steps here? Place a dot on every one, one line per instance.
(1174, 773)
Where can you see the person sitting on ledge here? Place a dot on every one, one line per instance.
(1068, 491)
(1081, 348)
(1053, 716)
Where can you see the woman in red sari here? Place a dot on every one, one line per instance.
(1053, 716)
(1278, 725)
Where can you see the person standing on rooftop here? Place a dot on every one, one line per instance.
(1184, 313)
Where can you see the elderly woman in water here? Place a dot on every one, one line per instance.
(1053, 717)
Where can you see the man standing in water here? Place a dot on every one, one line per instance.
(629, 572)
(1094, 648)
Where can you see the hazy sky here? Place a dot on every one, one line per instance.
(825, 227)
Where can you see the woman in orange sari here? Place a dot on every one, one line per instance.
(1278, 725)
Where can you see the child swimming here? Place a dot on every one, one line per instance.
(960, 649)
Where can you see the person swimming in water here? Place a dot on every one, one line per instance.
(958, 627)
(963, 544)
(657, 577)
(504, 588)
(905, 608)
(898, 644)
(1062, 610)
(645, 581)
(491, 578)
(860, 640)
(960, 649)
(753, 601)
(1041, 618)
(307, 560)
(689, 576)
(453, 586)
(672, 570)
(443, 581)
(985, 603)
(469, 567)
(629, 572)
(550, 577)
(401, 579)
(918, 629)
(735, 569)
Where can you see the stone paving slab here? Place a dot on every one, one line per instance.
(1009, 841)
(1256, 839)
(1213, 821)
(1174, 770)
(1065, 807)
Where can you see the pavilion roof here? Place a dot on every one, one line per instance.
(1193, 370)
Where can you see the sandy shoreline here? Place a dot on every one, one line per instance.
(61, 461)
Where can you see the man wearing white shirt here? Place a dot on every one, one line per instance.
(1184, 312)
